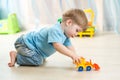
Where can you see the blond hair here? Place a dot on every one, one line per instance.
(78, 16)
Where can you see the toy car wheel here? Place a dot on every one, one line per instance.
(88, 68)
(80, 68)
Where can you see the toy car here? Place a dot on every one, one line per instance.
(86, 65)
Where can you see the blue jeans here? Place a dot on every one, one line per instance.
(26, 56)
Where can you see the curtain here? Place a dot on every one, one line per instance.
(111, 15)
(3, 9)
(32, 13)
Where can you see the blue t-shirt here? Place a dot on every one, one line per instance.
(41, 40)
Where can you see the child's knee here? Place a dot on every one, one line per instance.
(39, 62)
(28, 61)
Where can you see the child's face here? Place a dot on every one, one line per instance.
(71, 30)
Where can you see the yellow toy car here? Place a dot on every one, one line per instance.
(86, 65)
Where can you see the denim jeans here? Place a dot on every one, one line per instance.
(26, 56)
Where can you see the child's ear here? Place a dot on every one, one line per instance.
(69, 22)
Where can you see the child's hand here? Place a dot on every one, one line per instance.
(76, 59)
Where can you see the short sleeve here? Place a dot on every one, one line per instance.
(54, 36)
(67, 42)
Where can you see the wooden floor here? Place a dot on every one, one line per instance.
(103, 49)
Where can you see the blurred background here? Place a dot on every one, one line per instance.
(32, 13)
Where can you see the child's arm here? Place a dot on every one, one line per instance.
(71, 48)
(67, 51)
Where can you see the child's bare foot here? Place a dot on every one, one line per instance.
(12, 58)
